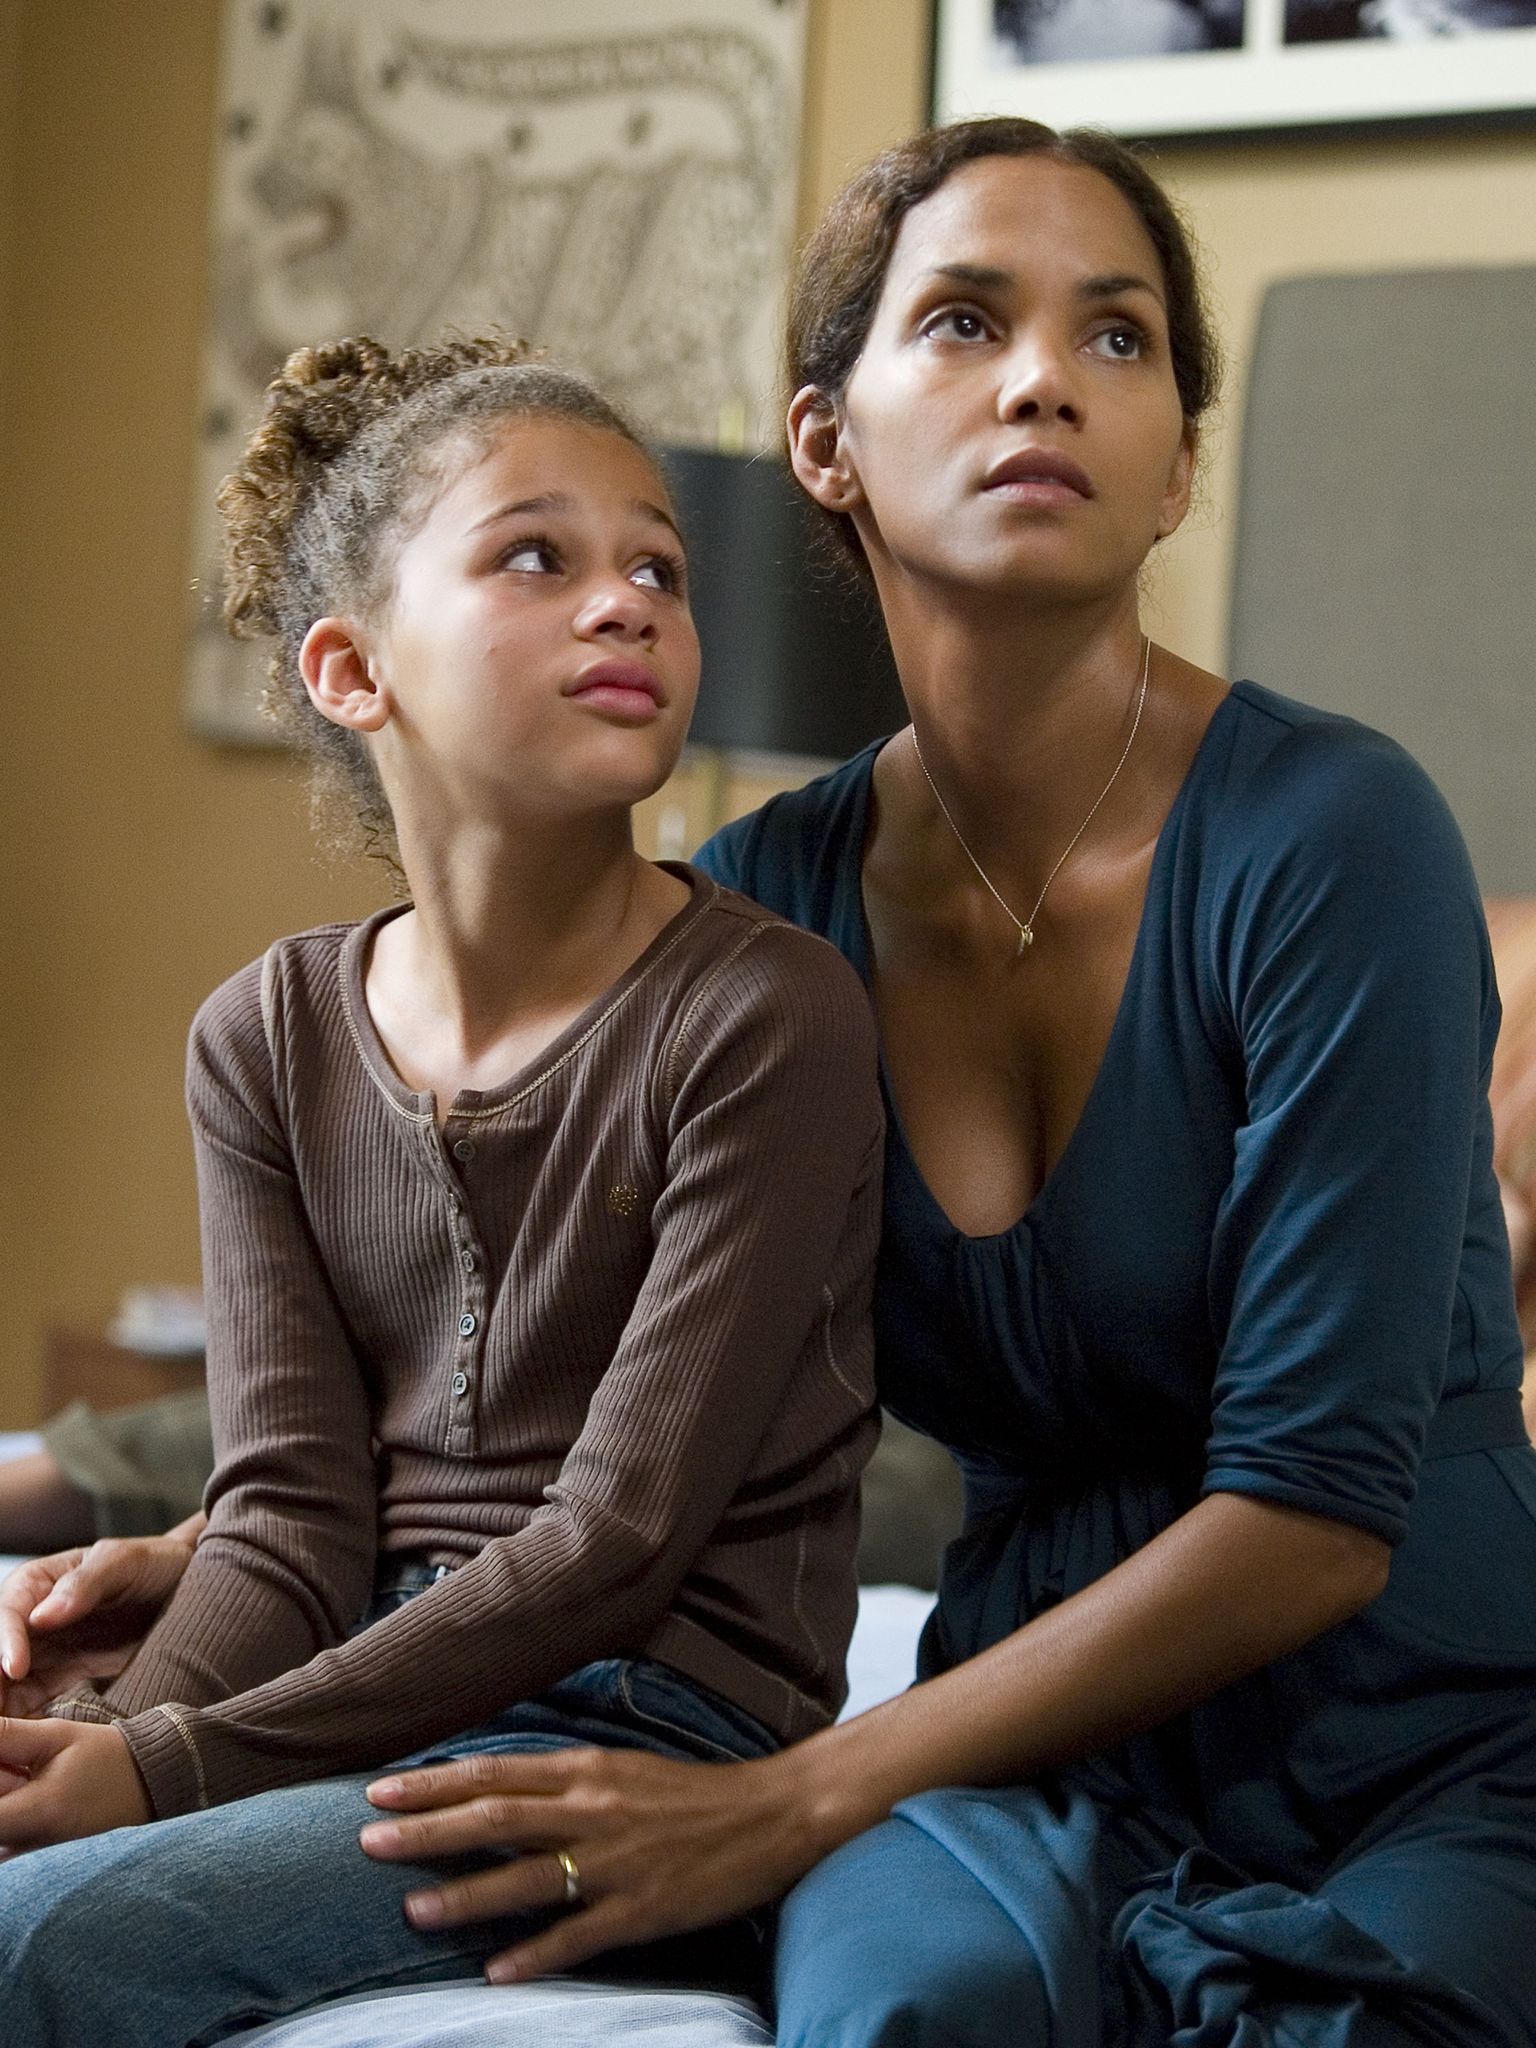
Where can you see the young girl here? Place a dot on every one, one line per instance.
(538, 1216)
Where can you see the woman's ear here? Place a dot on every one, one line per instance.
(334, 664)
(1181, 482)
(818, 453)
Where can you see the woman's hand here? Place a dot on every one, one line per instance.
(65, 1779)
(659, 1847)
(81, 1614)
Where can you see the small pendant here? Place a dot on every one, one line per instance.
(1026, 940)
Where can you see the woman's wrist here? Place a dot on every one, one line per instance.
(825, 1795)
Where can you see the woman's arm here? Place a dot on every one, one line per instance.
(69, 1620)
(664, 1847)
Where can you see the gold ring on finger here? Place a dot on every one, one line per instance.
(572, 1875)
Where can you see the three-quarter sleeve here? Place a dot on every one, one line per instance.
(767, 1106)
(1355, 977)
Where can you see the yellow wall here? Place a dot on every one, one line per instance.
(141, 866)
(138, 866)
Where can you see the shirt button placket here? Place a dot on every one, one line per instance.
(469, 1328)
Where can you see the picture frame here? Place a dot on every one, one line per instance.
(1199, 69)
(614, 184)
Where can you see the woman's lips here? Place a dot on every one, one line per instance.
(1038, 476)
(627, 689)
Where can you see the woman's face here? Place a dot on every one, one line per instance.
(537, 640)
(1012, 424)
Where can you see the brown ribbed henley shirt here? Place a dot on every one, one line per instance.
(602, 1342)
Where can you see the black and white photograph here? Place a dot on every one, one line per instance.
(1196, 68)
(1088, 31)
(1404, 21)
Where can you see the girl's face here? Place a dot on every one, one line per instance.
(1013, 424)
(538, 645)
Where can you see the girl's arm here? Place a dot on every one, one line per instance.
(285, 1566)
(764, 1241)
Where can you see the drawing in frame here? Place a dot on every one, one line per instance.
(615, 183)
(1227, 67)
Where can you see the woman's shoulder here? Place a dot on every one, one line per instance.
(1295, 780)
(791, 852)
(1302, 751)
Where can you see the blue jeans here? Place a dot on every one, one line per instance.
(177, 1932)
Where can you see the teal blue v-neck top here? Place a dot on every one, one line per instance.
(1271, 1261)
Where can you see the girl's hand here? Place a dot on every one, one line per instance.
(81, 1614)
(659, 1847)
(64, 1779)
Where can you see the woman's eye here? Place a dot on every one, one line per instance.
(956, 323)
(1123, 343)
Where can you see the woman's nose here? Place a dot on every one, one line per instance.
(1038, 384)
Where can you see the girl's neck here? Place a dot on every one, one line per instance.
(510, 927)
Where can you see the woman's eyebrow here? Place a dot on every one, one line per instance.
(988, 277)
(1111, 286)
(982, 275)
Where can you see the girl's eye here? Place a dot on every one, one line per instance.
(531, 557)
(1123, 342)
(660, 572)
(956, 323)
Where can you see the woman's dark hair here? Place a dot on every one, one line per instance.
(353, 446)
(842, 267)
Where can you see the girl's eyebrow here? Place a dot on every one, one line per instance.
(558, 501)
(656, 512)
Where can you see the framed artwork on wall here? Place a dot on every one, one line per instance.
(614, 184)
(1188, 68)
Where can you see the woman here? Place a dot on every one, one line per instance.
(1192, 1250)
(539, 1216)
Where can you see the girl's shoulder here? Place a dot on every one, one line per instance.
(746, 959)
(304, 972)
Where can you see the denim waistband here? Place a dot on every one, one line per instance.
(407, 1574)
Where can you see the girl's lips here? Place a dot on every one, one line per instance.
(629, 689)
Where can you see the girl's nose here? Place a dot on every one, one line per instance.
(617, 610)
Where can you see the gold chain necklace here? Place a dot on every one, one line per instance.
(1026, 926)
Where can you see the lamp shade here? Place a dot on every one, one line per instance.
(796, 659)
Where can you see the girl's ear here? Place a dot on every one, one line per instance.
(334, 664)
(818, 453)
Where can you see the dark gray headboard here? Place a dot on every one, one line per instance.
(1386, 547)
